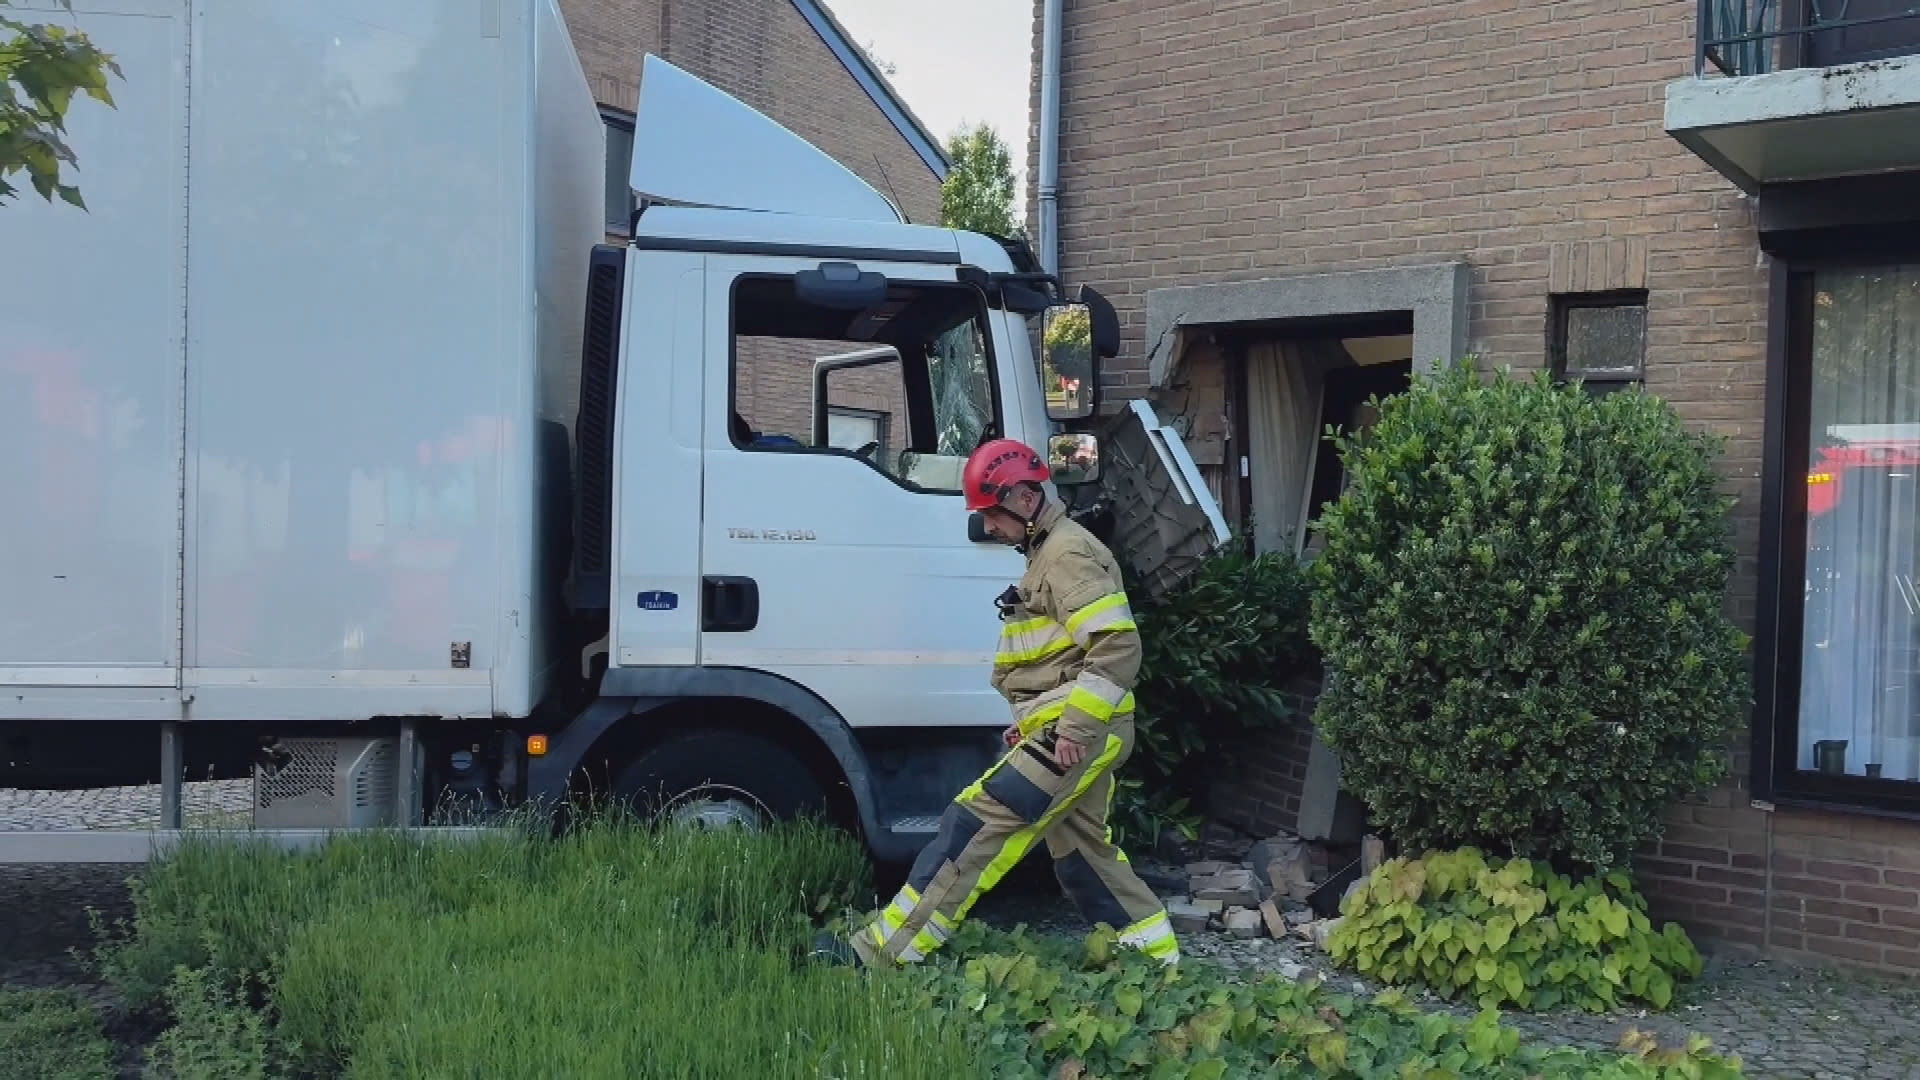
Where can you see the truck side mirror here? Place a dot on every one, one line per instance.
(1069, 374)
(1074, 459)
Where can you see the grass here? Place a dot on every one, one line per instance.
(51, 1035)
(616, 951)
(624, 951)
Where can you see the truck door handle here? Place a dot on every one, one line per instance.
(729, 605)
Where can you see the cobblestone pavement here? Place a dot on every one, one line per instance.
(223, 802)
(1785, 1022)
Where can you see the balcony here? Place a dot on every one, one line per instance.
(1785, 91)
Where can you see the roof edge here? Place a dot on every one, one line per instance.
(855, 60)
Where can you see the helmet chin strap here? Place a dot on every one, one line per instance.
(1031, 523)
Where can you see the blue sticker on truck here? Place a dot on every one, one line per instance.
(656, 600)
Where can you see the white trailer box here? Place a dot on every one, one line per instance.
(278, 414)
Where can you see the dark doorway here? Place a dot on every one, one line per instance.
(1344, 408)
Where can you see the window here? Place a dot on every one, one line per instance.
(851, 429)
(620, 200)
(1847, 723)
(905, 385)
(1599, 339)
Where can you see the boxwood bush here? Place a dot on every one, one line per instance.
(1520, 607)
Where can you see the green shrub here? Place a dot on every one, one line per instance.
(1513, 933)
(1520, 606)
(1052, 1008)
(51, 1035)
(214, 1036)
(1218, 653)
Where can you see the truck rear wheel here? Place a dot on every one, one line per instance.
(717, 778)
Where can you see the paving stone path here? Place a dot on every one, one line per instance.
(222, 802)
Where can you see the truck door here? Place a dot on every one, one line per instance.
(834, 542)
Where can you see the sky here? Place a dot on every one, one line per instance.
(955, 63)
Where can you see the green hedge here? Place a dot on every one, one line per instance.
(1520, 603)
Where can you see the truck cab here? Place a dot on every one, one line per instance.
(781, 382)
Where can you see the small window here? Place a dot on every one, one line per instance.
(1599, 339)
(851, 428)
(620, 200)
(905, 386)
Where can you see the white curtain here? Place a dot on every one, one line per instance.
(1861, 638)
(1284, 387)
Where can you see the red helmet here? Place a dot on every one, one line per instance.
(996, 468)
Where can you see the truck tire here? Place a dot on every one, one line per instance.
(720, 778)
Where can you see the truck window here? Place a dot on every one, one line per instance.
(906, 386)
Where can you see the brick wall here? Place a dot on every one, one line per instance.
(766, 54)
(1224, 140)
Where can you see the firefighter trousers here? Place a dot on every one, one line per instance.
(1026, 797)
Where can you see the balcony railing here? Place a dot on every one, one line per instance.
(1754, 37)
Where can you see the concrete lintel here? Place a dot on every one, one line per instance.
(1436, 295)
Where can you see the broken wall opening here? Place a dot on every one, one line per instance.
(1251, 373)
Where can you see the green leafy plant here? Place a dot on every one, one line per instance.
(1218, 655)
(1056, 1008)
(42, 67)
(215, 1036)
(1512, 932)
(50, 1034)
(1520, 602)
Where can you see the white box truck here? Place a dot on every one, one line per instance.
(340, 450)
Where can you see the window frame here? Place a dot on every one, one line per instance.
(1560, 308)
(1775, 775)
(610, 120)
(882, 421)
(983, 317)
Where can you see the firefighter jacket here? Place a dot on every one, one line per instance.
(1069, 651)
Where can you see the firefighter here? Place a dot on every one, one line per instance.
(1067, 660)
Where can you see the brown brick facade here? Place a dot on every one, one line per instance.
(1208, 141)
(766, 54)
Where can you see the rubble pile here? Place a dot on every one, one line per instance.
(1283, 887)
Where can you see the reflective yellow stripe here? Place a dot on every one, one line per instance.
(943, 924)
(1099, 697)
(1022, 840)
(1031, 640)
(1036, 713)
(1109, 613)
(1154, 936)
(979, 787)
(1097, 707)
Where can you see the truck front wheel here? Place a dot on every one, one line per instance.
(717, 778)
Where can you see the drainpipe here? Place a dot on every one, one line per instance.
(1050, 30)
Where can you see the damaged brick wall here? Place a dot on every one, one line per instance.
(1217, 142)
